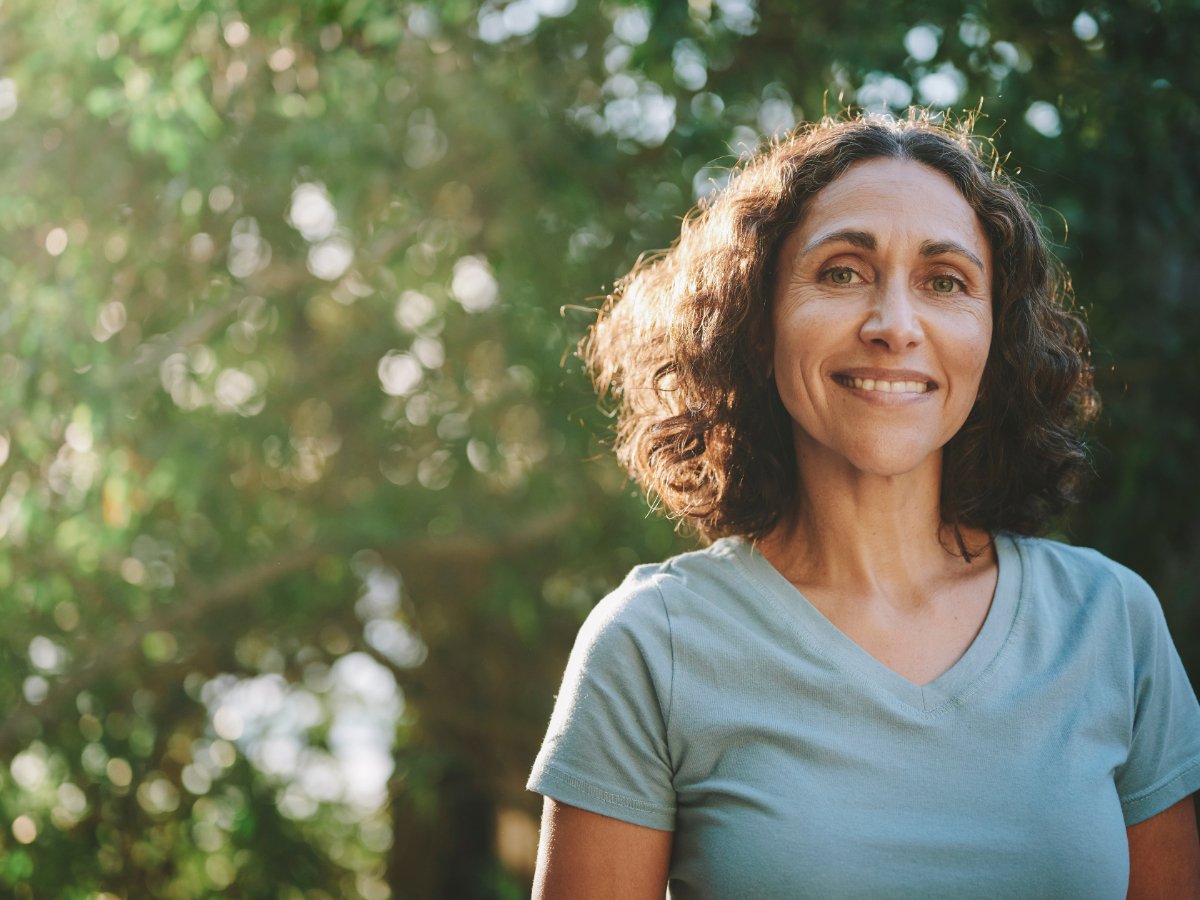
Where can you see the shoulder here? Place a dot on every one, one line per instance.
(1086, 576)
(646, 590)
(646, 606)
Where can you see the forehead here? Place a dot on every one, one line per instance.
(894, 198)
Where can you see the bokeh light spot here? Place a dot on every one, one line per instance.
(1085, 27)
(399, 373)
(24, 829)
(56, 241)
(330, 259)
(922, 41)
(8, 98)
(1043, 118)
(119, 772)
(236, 33)
(312, 212)
(227, 723)
(473, 284)
(943, 87)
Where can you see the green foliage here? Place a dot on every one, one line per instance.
(302, 496)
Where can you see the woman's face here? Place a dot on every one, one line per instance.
(882, 318)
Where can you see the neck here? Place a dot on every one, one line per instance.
(869, 534)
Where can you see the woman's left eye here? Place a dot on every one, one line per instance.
(944, 284)
(840, 275)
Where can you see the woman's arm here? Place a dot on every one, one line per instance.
(1164, 855)
(583, 855)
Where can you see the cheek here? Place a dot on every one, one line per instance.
(971, 351)
(801, 332)
(983, 348)
(970, 339)
(795, 350)
(802, 340)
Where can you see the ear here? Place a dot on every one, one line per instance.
(764, 366)
(762, 341)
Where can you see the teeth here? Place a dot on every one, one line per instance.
(887, 387)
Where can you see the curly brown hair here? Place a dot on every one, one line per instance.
(683, 344)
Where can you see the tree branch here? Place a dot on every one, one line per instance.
(112, 653)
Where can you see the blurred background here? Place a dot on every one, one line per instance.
(303, 495)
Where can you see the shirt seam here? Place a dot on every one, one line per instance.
(601, 793)
(1135, 725)
(1018, 616)
(671, 685)
(1138, 796)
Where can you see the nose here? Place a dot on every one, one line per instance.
(892, 321)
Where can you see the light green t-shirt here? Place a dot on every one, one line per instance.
(707, 696)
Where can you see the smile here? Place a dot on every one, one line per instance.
(884, 387)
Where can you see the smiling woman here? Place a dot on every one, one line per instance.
(882, 319)
(856, 376)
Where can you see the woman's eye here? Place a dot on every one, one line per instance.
(841, 275)
(943, 284)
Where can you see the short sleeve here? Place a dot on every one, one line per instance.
(1163, 765)
(606, 748)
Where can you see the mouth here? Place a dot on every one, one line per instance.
(886, 385)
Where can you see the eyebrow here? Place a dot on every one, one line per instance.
(937, 248)
(862, 239)
(866, 241)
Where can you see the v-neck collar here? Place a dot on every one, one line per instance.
(831, 643)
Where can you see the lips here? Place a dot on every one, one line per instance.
(884, 381)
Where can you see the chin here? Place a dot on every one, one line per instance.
(889, 468)
(892, 461)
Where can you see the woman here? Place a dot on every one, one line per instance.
(855, 375)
